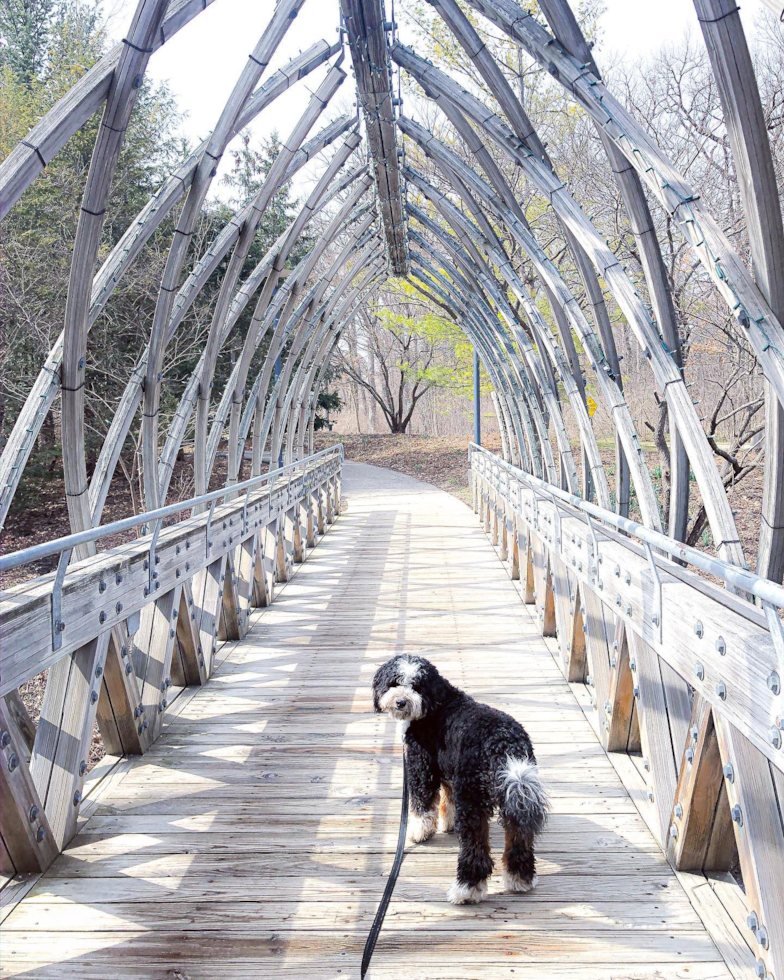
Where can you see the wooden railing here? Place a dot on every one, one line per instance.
(120, 630)
(683, 670)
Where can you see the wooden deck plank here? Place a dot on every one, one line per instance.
(259, 830)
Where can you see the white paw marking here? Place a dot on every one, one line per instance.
(514, 883)
(460, 894)
(421, 827)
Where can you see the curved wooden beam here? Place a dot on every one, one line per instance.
(47, 386)
(120, 101)
(50, 134)
(747, 130)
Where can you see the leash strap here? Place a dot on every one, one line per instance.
(375, 929)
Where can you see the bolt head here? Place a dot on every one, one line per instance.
(737, 815)
(673, 832)
(34, 813)
(774, 737)
(752, 921)
(699, 670)
(698, 629)
(774, 682)
(5, 739)
(689, 753)
(759, 969)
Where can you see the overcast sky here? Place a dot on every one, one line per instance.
(202, 62)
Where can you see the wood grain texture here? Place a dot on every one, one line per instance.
(268, 807)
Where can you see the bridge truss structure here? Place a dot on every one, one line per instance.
(682, 653)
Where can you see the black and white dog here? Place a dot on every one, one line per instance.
(466, 761)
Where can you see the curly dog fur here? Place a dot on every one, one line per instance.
(466, 762)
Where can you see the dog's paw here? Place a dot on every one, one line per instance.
(514, 883)
(461, 894)
(446, 823)
(421, 827)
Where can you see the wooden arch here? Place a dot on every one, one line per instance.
(454, 243)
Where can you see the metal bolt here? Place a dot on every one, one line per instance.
(82, 767)
(34, 813)
(146, 725)
(617, 571)
(98, 670)
(646, 765)
(77, 797)
(774, 737)
(618, 601)
(673, 832)
(774, 682)
(628, 609)
(678, 810)
(752, 921)
(636, 692)
(698, 629)
(13, 762)
(694, 732)
(632, 665)
(119, 608)
(721, 690)
(93, 697)
(5, 739)
(628, 579)
(762, 937)
(650, 795)
(721, 645)
(40, 835)
(759, 969)
(728, 772)
(737, 815)
(613, 662)
(699, 670)
(689, 753)
(102, 586)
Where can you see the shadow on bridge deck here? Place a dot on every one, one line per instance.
(253, 840)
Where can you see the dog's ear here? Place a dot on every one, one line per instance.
(433, 687)
(384, 678)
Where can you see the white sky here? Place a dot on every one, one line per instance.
(202, 62)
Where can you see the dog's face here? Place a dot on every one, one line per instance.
(406, 687)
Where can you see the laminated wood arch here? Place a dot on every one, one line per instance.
(529, 357)
(390, 199)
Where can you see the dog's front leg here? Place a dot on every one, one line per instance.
(474, 863)
(424, 782)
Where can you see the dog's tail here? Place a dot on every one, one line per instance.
(523, 798)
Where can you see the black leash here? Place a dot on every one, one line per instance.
(375, 929)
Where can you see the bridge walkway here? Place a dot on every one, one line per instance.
(254, 839)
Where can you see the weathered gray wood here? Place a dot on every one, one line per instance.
(748, 135)
(65, 728)
(26, 834)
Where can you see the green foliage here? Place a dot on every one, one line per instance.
(45, 47)
(328, 401)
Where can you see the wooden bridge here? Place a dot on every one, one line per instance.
(258, 831)
(243, 821)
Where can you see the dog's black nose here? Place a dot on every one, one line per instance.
(400, 703)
